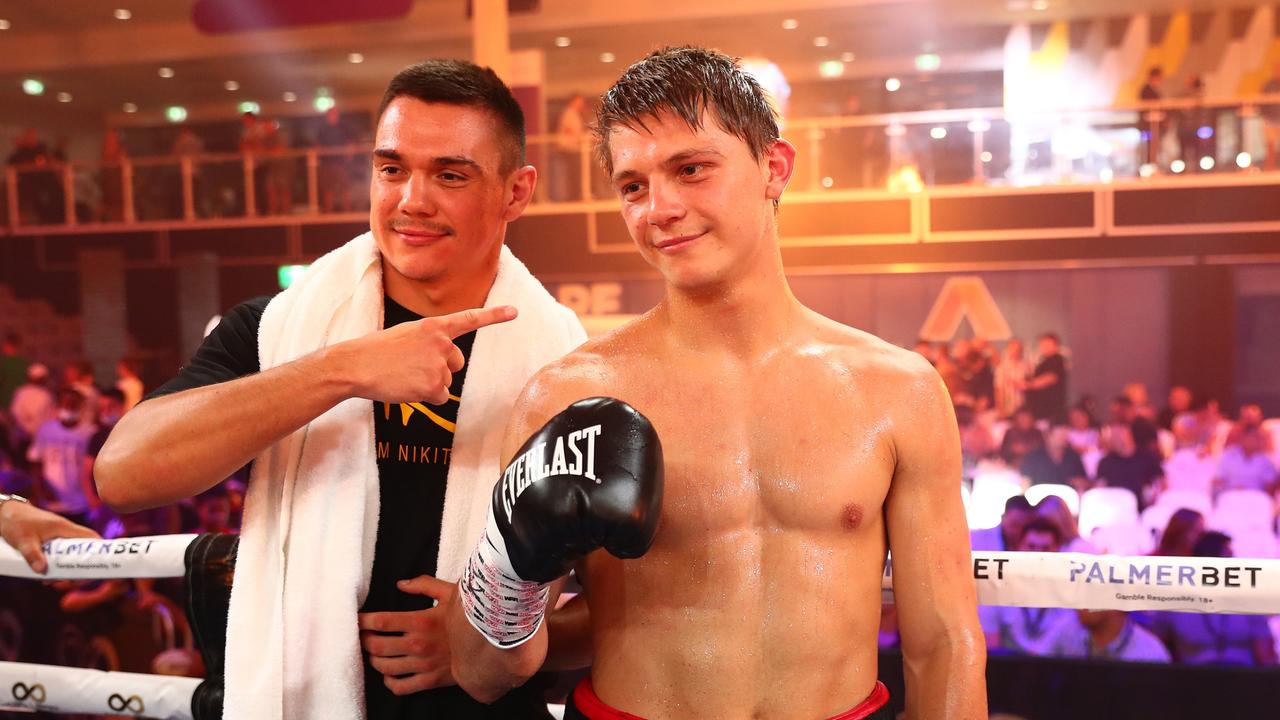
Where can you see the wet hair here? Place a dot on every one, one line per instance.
(458, 82)
(688, 81)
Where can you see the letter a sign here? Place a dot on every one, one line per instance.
(961, 297)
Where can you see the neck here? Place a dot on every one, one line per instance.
(745, 316)
(1107, 631)
(450, 293)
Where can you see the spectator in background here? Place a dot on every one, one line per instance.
(1010, 375)
(1017, 513)
(570, 144)
(111, 177)
(980, 380)
(1124, 466)
(334, 178)
(1046, 390)
(78, 376)
(1191, 466)
(1145, 434)
(976, 442)
(32, 405)
(277, 170)
(39, 186)
(13, 367)
(61, 447)
(1212, 638)
(1191, 146)
(187, 145)
(1029, 631)
(1151, 126)
(1251, 418)
(1082, 430)
(1055, 462)
(1181, 534)
(1179, 402)
(1110, 635)
(1271, 117)
(1055, 510)
(128, 382)
(1245, 465)
(1141, 399)
(111, 405)
(213, 511)
(1022, 438)
(951, 373)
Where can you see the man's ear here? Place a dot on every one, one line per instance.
(520, 187)
(780, 162)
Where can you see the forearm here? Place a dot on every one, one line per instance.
(179, 445)
(948, 678)
(484, 671)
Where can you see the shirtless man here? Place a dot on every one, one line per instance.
(796, 452)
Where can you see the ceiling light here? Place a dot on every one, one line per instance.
(607, 57)
(1039, 4)
(123, 14)
(828, 181)
(1106, 175)
(231, 85)
(175, 113)
(979, 125)
(986, 156)
(821, 41)
(938, 133)
(289, 97)
(130, 108)
(1177, 166)
(64, 97)
(1206, 163)
(790, 24)
(562, 41)
(249, 106)
(1016, 5)
(928, 62)
(1244, 160)
(355, 58)
(165, 72)
(31, 86)
(4, 24)
(323, 103)
(830, 68)
(846, 57)
(1147, 170)
(892, 84)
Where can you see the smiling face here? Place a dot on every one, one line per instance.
(698, 206)
(440, 199)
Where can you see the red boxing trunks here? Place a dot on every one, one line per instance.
(584, 704)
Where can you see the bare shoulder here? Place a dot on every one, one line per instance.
(867, 354)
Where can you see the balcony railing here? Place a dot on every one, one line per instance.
(896, 152)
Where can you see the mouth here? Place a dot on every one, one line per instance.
(678, 243)
(418, 237)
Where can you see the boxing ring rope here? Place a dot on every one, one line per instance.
(1067, 580)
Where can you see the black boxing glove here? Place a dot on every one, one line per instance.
(590, 478)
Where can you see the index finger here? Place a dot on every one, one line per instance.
(461, 323)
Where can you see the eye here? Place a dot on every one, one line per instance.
(691, 170)
(389, 170)
(450, 176)
(630, 189)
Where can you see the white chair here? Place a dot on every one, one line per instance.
(1155, 519)
(1036, 493)
(1242, 510)
(1177, 498)
(987, 501)
(1255, 544)
(1122, 539)
(1105, 506)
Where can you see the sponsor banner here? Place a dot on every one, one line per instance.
(64, 690)
(1115, 582)
(80, 559)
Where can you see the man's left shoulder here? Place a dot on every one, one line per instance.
(861, 351)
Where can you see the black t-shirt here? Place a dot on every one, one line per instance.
(1050, 402)
(1135, 472)
(414, 443)
(1040, 467)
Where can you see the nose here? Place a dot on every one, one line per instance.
(665, 206)
(416, 199)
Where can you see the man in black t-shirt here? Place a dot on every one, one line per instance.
(448, 175)
(1046, 391)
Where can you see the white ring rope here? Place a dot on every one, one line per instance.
(156, 556)
(49, 688)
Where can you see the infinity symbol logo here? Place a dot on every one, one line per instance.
(21, 691)
(120, 703)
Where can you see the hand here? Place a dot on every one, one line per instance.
(417, 657)
(415, 361)
(26, 528)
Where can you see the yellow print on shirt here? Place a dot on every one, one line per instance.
(407, 410)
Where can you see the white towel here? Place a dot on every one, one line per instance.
(311, 513)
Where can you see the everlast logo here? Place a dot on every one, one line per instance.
(530, 467)
(1165, 574)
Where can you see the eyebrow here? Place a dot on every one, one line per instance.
(677, 159)
(446, 160)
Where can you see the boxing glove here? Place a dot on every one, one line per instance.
(590, 478)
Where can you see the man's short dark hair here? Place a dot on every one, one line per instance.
(1042, 525)
(1018, 503)
(1212, 544)
(1051, 336)
(458, 82)
(687, 81)
(112, 393)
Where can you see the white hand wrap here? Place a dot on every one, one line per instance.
(504, 608)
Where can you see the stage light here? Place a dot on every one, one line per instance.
(129, 108)
(231, 85)
(831, 69)
(249, 106)
(288, 96)
(175, 113)
(790, 24)
(122, 14)
(1177, 166)
(563, 41)
(828, 181)
(1039, 5)
(1204, 132)
(165, 72)
(1106, 175)
(4, 24)
(1206, 163)
(895, 130)
(1244, 160)
(821, 41)
(1147, 170)
(64, 97)
(938, 133)
(847, 57)
(928, 62)
(892, 84)
(322, 103)
(979, 125)
(31, 86)
(607, 57)
(355, 58)
(986, 156)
